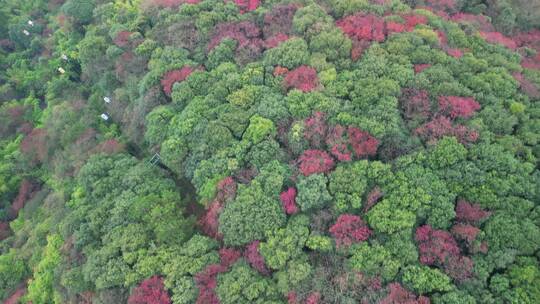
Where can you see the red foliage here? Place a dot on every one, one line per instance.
(255, 259)
(411, 21)
(150, 291)
(315, 161)
(313, 298)
(338, 144)
(435, 246)
(456, 53)
(459, 268)
(303, 78)
(5, 231)
(226, 190)
(246, 33)
(442, 126)
(531, 62)
(174, 76)
(247, 5)
(229, 256)
(209, 223)
(455, 106)
(470, 213)
(418, 68)
(530, 39)
(372, 198)
(315, 130)
(288, 201)
(465, 232)
(395, 27)
(480, 22)
(362, 143)
(122, 38)
(358, 47)
(292, 298)
(363, 27)
(275, 40)
(15, 297)
(279, 70)
(496, 37)
(443, 39)
(399, 295)
(415, 103)
(279, 20)
(527, 86)
(349, 229)
(27, 189)
(206, 282)
(34, 145)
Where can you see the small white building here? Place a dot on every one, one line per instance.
(107, 99)
(30, 22)
(26, 32)
(64, 56)
(62, 71)
(105, 116)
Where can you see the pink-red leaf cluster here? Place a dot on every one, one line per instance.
(174, 76)
(150, 291)
(458, 107)
(288, 201)
(303, 78)
(255, 259)
(349, 229)
(315, 161)
(399, 295)
(498, 38)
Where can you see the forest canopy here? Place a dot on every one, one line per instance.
(278, 151)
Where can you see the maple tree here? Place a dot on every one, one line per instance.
(315, 161)
(173, 77)
(454, 106)
(303, 78)
(288, 201)
(254, 258)
(349, 229)
(150, 291)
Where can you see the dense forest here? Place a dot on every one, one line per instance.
(278, 151)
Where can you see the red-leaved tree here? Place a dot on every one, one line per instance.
(254, 258)
(454, 106)
(315, 130)
(498, 38)
(399, 295)
(363, 27)
(279, 20)
(174, 76)
(229, 256)
(288, 201)
(246, 33)
(349, 229)
(338, 144)
(470, 213)
(150, 291)
(303, 78)
(247, 5)
(206, 282)
(362, 143)
(418, 68)
(315, 161)
(435, 246)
